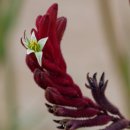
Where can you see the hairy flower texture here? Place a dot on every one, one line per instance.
(67, 112)
(74, 124)
(50, 73)
(119, 125)
(99, 95)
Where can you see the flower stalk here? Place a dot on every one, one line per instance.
(60, 90)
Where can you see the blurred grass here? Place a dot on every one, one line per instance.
(121, 58)
(9, 10)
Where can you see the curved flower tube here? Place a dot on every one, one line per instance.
(44, 58)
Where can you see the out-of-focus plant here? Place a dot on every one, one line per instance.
(8, 13)
(9, 10)
(121, 58)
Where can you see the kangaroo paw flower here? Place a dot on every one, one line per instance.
(73, 111)
(98, 92)
(55, 97)
(119, 125)
(44, 58)
(34, 46)
(70, 124)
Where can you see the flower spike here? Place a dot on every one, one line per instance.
(99, 95)
(44, 58)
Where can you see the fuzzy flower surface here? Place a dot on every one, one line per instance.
(34, 46)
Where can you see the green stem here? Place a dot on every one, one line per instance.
(121, 59)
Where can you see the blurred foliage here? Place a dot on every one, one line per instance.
(8, 13)
(9, 10)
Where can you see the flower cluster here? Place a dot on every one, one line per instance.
(45, 60)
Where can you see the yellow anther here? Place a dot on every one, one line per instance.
(33, 45)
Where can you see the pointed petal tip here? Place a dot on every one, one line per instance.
(55, 6)
(60, 127)
(56, 121)
(48, 106)
(24, 34)
(63, 18)
(46, 16)
(33, 36)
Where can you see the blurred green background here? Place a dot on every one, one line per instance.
(97, 39)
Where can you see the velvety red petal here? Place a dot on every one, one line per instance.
(54, 96)
(43, 80)
(38, 19)
(60, 27)
(52, 67)
(52, 11)
(75, 113)
(40, 79)
(44, 26)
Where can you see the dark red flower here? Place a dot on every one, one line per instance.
(60, 89)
